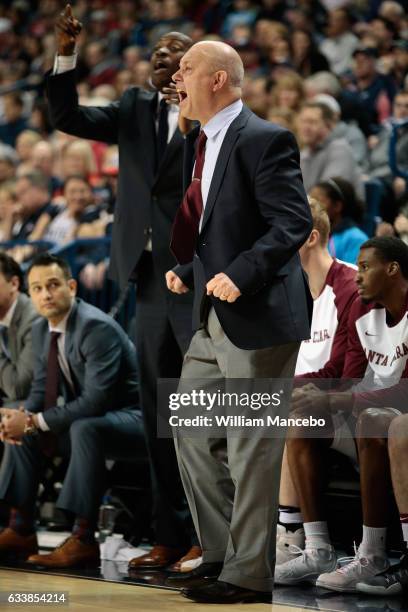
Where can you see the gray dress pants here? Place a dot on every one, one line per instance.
(232, 484)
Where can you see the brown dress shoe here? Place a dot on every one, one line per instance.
(194, 553)
(71, 553)
(158, 558)
(12, 544)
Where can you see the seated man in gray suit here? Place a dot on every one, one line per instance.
(17, 314)
(82, 404)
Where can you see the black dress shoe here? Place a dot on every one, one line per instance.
(201, 575)
(223, 592)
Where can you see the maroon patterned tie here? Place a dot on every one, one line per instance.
(48, 440)
(187, 221)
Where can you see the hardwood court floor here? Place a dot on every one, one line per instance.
(95, 595)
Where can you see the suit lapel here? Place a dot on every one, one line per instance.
(14, 324)
(70, 331)
(230, 139)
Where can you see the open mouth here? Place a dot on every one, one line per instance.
(182, 95)
(160, 66)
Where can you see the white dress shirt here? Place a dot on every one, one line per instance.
(215, 130)
(61, 328)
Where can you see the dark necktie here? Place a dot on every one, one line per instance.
(162, 131)
(187, 221)
(4, 341)
(48, 440)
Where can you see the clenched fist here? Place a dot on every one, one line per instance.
(174, 283)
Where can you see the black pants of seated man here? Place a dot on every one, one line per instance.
(87, 443)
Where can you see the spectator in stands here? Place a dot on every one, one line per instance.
(288, 92)
(65, 225)
(78, 158)
(141, 75)
(400, 225)
(8, 163)
(33, 200)
(399, 66)
(384, 32)
(333, 288)
(378, 327)
(8, 203)
(42, 160)
(17, 316)
(255, 95)
(306, 58)
(345, 212)
(25, 143)
(393, 11)
(243, 12)
(132, 55)
(349, 131)
(123, 80)
(82, 405)
(39, 119)
(378, 162)
(375, 91)
(150, 193)
(14, 119)
(340, 43)
(352, 109)
(395, 580)
(322, 155)
(279, 56)
(102, 68)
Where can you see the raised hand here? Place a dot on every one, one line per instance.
(67, 30)
(170, 94)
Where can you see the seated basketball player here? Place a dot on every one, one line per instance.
(82, 405)
(333, 287)
(377, 355)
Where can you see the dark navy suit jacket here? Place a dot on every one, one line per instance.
(256, 218)
(102, 363)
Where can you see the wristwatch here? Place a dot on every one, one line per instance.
(29, 427)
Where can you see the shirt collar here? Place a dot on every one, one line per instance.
(222, 119)
(62, 325)
(9, 314)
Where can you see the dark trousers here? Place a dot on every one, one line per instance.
(88, 443)
(163, 334)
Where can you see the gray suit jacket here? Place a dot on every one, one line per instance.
(102, 362)
(16, 371)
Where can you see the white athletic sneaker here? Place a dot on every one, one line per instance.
(307, 565)
(356, 569)
(284, 540)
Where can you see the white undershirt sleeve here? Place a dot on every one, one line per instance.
(64, 63)
(41, 422)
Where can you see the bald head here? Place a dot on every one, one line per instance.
(221, 56)
(209, 79)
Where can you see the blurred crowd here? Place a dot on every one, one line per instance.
(334, 72)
